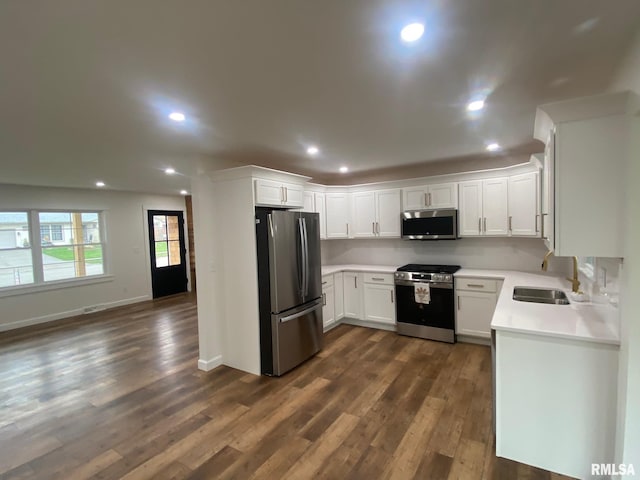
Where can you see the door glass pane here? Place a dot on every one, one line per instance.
(174, 253)
(173, 228)
(159, 227)
(15, 249)
(161, 254)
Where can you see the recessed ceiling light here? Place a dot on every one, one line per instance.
(475, 105)
(169, 171)
(312, 150)
(183, 192)
(493, 147)
(99, 184)
(412, 32)
(344, 169)
(177, 116)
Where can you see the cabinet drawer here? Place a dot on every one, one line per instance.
(327, 281)
(382, 278)
(476, 284)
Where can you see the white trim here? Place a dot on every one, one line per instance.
(54, 285)
(473, 339)
(210, 364)
(70, 313)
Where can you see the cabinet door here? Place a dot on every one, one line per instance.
(548, 193)
(337, 208)
(269, 193)
(353, 295)
(338, 283)
(379, 303)
(293, 195)
(495, 215)
(328, 306)
(414, 198)
(470, 212)
(474, 313)
(443, 195)
(364, 214)
(388, 213)
(308, 202)
(321, 211)
(523, 205)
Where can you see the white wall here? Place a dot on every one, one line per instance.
(492, 253)
(127, 251)
(628, 425)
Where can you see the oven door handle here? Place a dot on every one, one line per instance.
(436, 285)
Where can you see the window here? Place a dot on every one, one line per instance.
(166, 236)
(77, 251)
(16, 258)
(71, 246)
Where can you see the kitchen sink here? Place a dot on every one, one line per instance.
(540, 295)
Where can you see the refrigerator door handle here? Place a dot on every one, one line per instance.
(306, 258)
(270, 220)
(288, 318)
(302, 257)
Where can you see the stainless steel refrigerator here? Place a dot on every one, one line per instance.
(290, 288)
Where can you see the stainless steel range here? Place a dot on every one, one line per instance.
(425, 301)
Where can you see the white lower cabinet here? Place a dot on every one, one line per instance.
(353, 295)
(338, 283)
(328, 301)
(476, 300)
(379, 303)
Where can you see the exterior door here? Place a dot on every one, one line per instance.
(168, 252)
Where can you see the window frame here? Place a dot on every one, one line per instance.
(34, 229)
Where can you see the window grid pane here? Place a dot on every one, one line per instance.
(174, 253)
(16, 264)
(161, 254)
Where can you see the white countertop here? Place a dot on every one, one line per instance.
(329, 269)
(578, 321)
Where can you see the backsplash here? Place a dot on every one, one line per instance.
(492, 253)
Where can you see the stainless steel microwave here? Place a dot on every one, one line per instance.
(430, 224)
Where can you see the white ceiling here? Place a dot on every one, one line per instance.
(86, 86)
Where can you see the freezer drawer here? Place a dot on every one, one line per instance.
(297, 336)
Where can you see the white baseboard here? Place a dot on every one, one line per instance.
(368, 324)
(472, 339)
(69, 313)
(210, 364)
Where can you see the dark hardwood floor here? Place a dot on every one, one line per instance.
(117, 394)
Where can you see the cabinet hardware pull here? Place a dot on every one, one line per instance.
(475, 285)
(479, 225)
(429, 199)
(510, 221)
(282, 194)
(426, 202)
(373, 227)
(377, 278)
(347, 224)
(324, 299)
(355, 282)
(391, 292)
(324, 283)
(286, 194)
(485, 224)
(377, 228)
(537, 228)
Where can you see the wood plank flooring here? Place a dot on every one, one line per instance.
(117, 394)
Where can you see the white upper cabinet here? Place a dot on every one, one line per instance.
(338, 210)
(309, 202)
(322, 212)
(364, 214)
(376, 214)
(495, 207)
(388, 213)
(548, 194)
(588, 141)
(278, 194)
(483, 207)
(443, 195)
(470, 213)
(524, 213)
